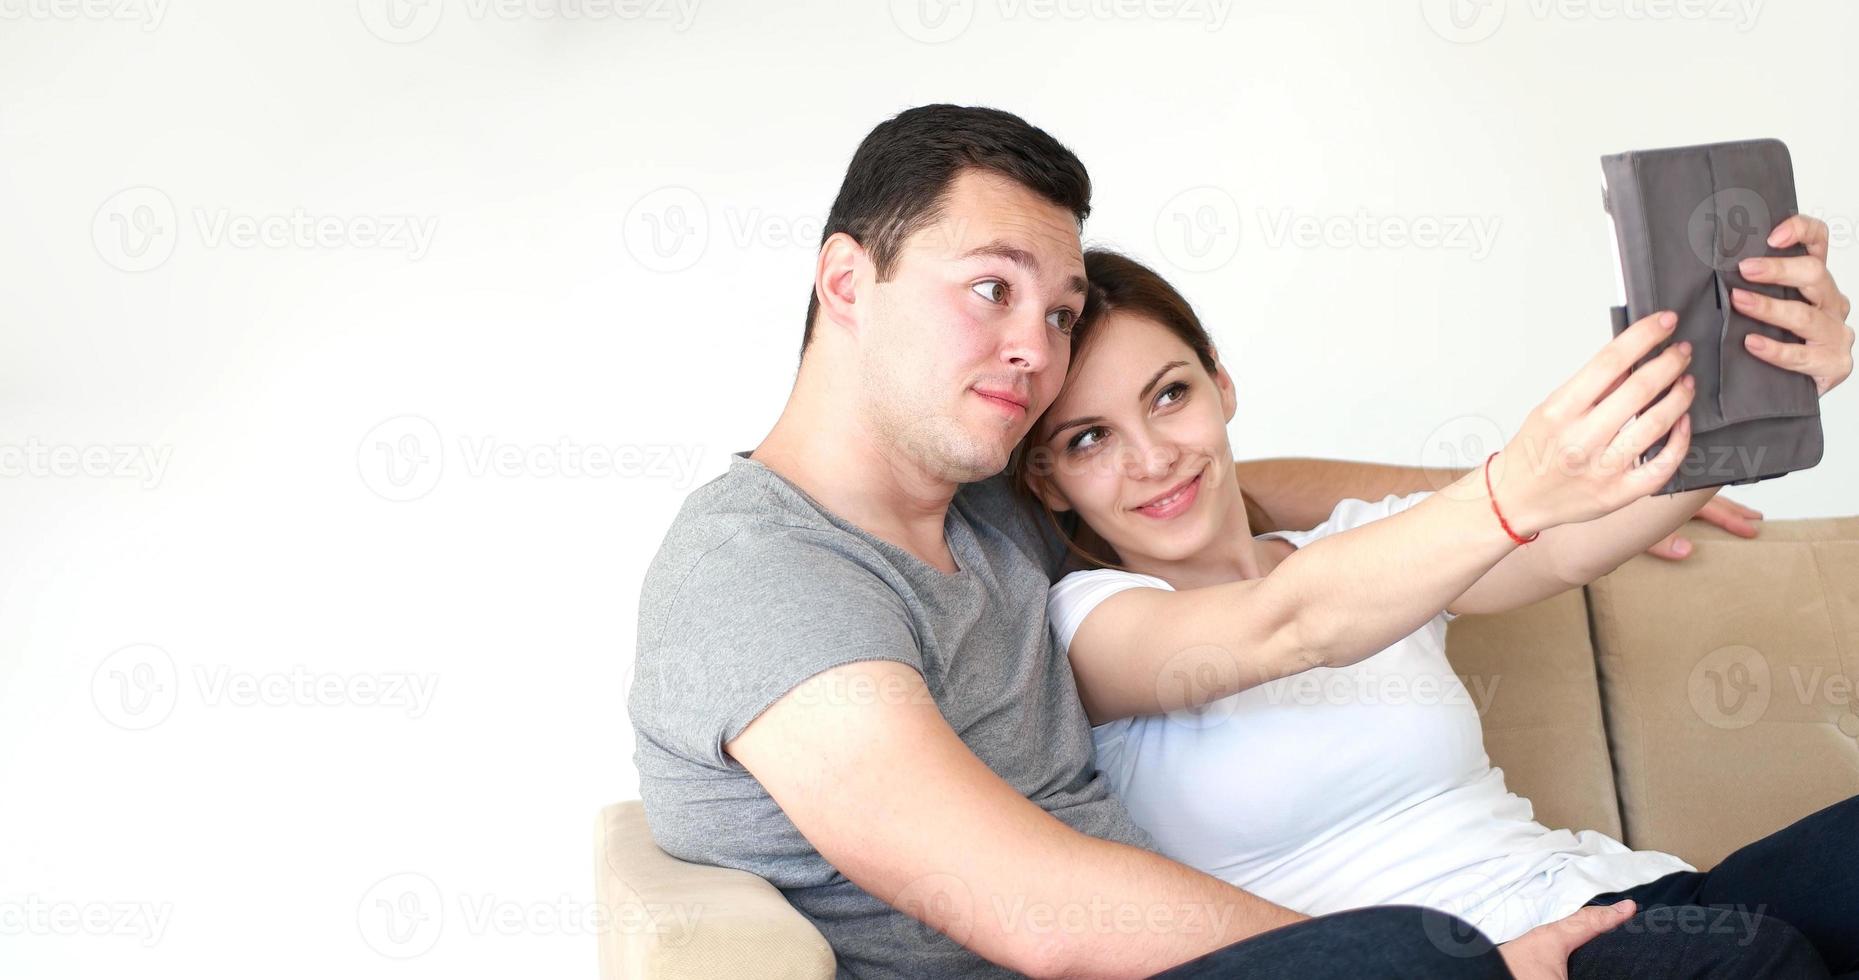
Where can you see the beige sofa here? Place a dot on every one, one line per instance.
(1686, 707)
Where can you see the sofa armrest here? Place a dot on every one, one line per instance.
(674, 920)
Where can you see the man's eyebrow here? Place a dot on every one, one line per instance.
(1022, 258)
(1090, 419)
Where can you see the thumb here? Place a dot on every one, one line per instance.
(1589, 922)
(1673, 548)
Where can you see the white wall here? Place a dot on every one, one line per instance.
(241, 398)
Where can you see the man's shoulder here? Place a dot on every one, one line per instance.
(995, 505)
(747, 523)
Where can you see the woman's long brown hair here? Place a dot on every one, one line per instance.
(1118, 282)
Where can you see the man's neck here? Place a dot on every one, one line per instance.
(821, 445)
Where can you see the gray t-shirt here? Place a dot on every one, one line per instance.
(755, 589)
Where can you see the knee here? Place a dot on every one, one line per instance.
(1770, 947)
(1411, 941)
(1729, 943)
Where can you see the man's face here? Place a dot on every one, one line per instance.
(968, 341)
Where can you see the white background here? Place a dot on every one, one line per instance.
(257, 399)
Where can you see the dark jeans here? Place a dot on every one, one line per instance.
(1786, 906)
(1795, 891)
(1386, 941)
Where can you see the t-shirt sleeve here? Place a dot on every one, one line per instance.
(753, 619)
(1073, 597)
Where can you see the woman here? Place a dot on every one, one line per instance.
(1321, 790)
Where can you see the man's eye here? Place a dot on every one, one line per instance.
(1062, 320)
(1088, 438)
(992, 290)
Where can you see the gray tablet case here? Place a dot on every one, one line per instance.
(1683, 218)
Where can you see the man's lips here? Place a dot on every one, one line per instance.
(1008, 399)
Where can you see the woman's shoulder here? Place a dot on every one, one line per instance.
(1093, 579)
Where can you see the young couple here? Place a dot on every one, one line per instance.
(846, 681)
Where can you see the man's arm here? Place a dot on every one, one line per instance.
(887, 792)
(1299, 492)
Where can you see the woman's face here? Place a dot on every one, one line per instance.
(1136, 443)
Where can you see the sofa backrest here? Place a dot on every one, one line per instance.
(1727, 684)
(1531, 673)
(1689, 707)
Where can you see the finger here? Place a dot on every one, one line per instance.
(1827, 364)
(1646, 382)
(1803, 272)
(1801, 229)
(1656, 421)
(1673, 548)
(1741, 510)
(1654, 473)
(1599, 375)
(1729, 520)
(1586, 923)
(1802, 319)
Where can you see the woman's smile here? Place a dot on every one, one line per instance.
(1174, 502)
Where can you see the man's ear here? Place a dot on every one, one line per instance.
(837, 280)
(1229, 402)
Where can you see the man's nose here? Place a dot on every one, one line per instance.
(1027, 344)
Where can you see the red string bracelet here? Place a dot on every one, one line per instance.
(1494, 506)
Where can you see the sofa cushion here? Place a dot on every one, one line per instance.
(1531, 673)
(1727, 680)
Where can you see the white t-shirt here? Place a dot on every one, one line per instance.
(1345, 787)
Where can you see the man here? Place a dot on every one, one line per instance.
(845, 680)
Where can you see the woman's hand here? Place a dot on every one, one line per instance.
(1543, 952)
(1826, 351)
(1576, 457)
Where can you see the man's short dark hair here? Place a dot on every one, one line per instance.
(900, 172)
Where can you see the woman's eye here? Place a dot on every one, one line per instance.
(1086, 439)
(1173, 393)
(1062, 320)
(992, 290)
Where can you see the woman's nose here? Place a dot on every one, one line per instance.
(1149, 459)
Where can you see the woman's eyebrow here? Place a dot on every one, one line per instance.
(1144, 394)
(1170, 366)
